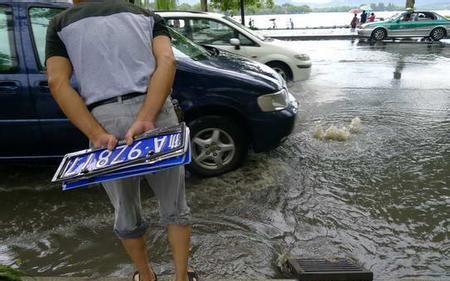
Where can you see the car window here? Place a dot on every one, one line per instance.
(8, 58)
(207, 31)
(183, 47)
(406, 17)
(40, 18)
(240, 25)
(426, 16)
(178, 25)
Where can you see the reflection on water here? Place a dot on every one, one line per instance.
(381, 197)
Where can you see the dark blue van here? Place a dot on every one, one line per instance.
(230, 103)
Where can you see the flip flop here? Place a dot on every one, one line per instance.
(137, 277)
(192, 276)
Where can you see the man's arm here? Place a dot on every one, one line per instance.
(59, 70)
(160, 85)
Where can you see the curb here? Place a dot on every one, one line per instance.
(162, 278)
(170, 278)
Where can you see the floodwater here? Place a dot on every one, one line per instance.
(381, 197)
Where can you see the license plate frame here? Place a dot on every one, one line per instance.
(148, 150)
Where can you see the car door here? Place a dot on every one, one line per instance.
(60, 135)
(19, 125)
(426, 22)
(406, 26)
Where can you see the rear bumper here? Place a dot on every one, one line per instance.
(270, 129)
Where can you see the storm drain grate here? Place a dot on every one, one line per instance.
(319, 269)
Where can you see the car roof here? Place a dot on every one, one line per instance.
(188, 14)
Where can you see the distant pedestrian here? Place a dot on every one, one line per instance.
(371, 18)
(363, 17)
(274, 23)
(354, 22)
(291, 23)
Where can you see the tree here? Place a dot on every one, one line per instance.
(226, 5)
(204, 5)
(410, 4)
(165, 4)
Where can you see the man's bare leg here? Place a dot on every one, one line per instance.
(180, 240)
(137, 250)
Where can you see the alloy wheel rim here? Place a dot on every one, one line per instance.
(438, 33)
(213, 148)
(379, 34)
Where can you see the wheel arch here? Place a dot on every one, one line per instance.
(217, 110)
(440, 26)
(284, 64)
(377, 28)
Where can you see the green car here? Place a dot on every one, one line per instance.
(408, 24)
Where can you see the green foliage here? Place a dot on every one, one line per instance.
(9, 274)
(187, 7)
(410, 4)
(234, 5)
(287, 9)
(375, 7)
(165, 4)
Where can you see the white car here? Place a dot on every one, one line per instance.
(225, 33)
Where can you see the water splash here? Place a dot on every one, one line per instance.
(338, 134)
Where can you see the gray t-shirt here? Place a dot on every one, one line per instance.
(109, 44)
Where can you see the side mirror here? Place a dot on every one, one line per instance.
(397, 21)
(236, 43)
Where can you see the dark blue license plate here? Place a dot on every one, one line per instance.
(151, 148)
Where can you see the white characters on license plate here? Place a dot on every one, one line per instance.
(148, 150)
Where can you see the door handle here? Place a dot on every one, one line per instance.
(43, 86)
(9, 87)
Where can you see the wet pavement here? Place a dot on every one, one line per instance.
(381, 197)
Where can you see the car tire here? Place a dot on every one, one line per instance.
(379, 34)
(218, 145)
(438, 33)
(283, 69)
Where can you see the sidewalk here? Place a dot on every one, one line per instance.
(310, 34)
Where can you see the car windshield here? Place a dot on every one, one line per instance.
(393, 17)
(238, 24)
(183, 47)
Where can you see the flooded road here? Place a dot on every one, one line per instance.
(381, 197)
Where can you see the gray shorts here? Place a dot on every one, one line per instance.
(168, 185)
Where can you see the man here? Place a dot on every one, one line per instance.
(363, 17)
(122, 58)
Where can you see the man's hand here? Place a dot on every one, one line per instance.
(104, 140)
(138, 128)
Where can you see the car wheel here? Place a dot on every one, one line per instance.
(438, 33)
(218, 145)
(379, 34)
(282, 69)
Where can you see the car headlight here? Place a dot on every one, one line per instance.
(274, 102)
(303, 57)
